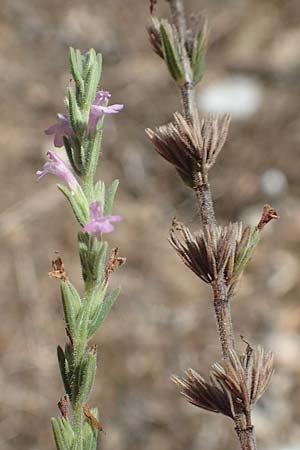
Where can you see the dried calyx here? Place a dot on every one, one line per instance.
(234, 386)
(215, 252)
(218, 252)
(191, 148)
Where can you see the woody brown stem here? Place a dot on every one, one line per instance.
(223, 317)
(204, 200)
(245, 434)
(244, 428)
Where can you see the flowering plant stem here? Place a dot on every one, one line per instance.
(80, 133)
(222, 307)
(205, 205)
(218, 255)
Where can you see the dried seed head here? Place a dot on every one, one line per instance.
(191, 147)
(209, 396)
(215, 251)
(246, 376)
(234, 386)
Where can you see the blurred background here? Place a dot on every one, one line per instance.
(163, 321)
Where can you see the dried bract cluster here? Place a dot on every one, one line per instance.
(191, 148)
(215, 252)
(234, 386)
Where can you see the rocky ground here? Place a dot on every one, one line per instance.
(163, 322)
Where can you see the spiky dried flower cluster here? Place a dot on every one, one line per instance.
(215, 252)
(191, 148)
(234, 386)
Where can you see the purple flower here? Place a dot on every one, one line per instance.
(60, 129)
(98, 223)
(57, 167)
(99, 108)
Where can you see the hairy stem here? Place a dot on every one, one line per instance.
(244, 428)
(204, 200)
(245, 434)
(223, 317)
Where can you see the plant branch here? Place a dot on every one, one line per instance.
(244, 428)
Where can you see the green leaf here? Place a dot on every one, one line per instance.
(87, 376)
(103, 311)
(92, 257)
(71, 305)
(96, 300)
(110, 196)
(70, 154)
(64, 370)
(78, 202)
(246, 253)
(100, 192)
(66, 430)
(90, 433)
(58, 436)
(76, 71)
(91, 80)
(93, 152)
(171, 55)
(75, 113)
(198, 55)
(78, 154)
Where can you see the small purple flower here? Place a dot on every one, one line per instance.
(57, 167)
(60, 129)
(98, 223)
(99, 108)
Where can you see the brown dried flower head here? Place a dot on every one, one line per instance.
(234, 386)
(191, 147)
(215, 251)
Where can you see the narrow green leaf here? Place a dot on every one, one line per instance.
(58, 437)
(70, 154)
(93, 152)
(92, 257)
(110, 196)
(170, 51)
(78, 154)
(75, 113)
(103, 311)
(87, 377)
(66, 431)
(78, 202)
(198, 56)
(90, 433)
(79, 60)
(76, 71)
(96, 300)
(100, 192)
(89, 59)
(71, 305)
(64, 370)
(243, 259)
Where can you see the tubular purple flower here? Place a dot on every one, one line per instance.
(99, 224)
(60, 129)
(99, 108)
(57, 167)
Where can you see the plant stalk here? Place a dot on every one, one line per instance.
(202, 190)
